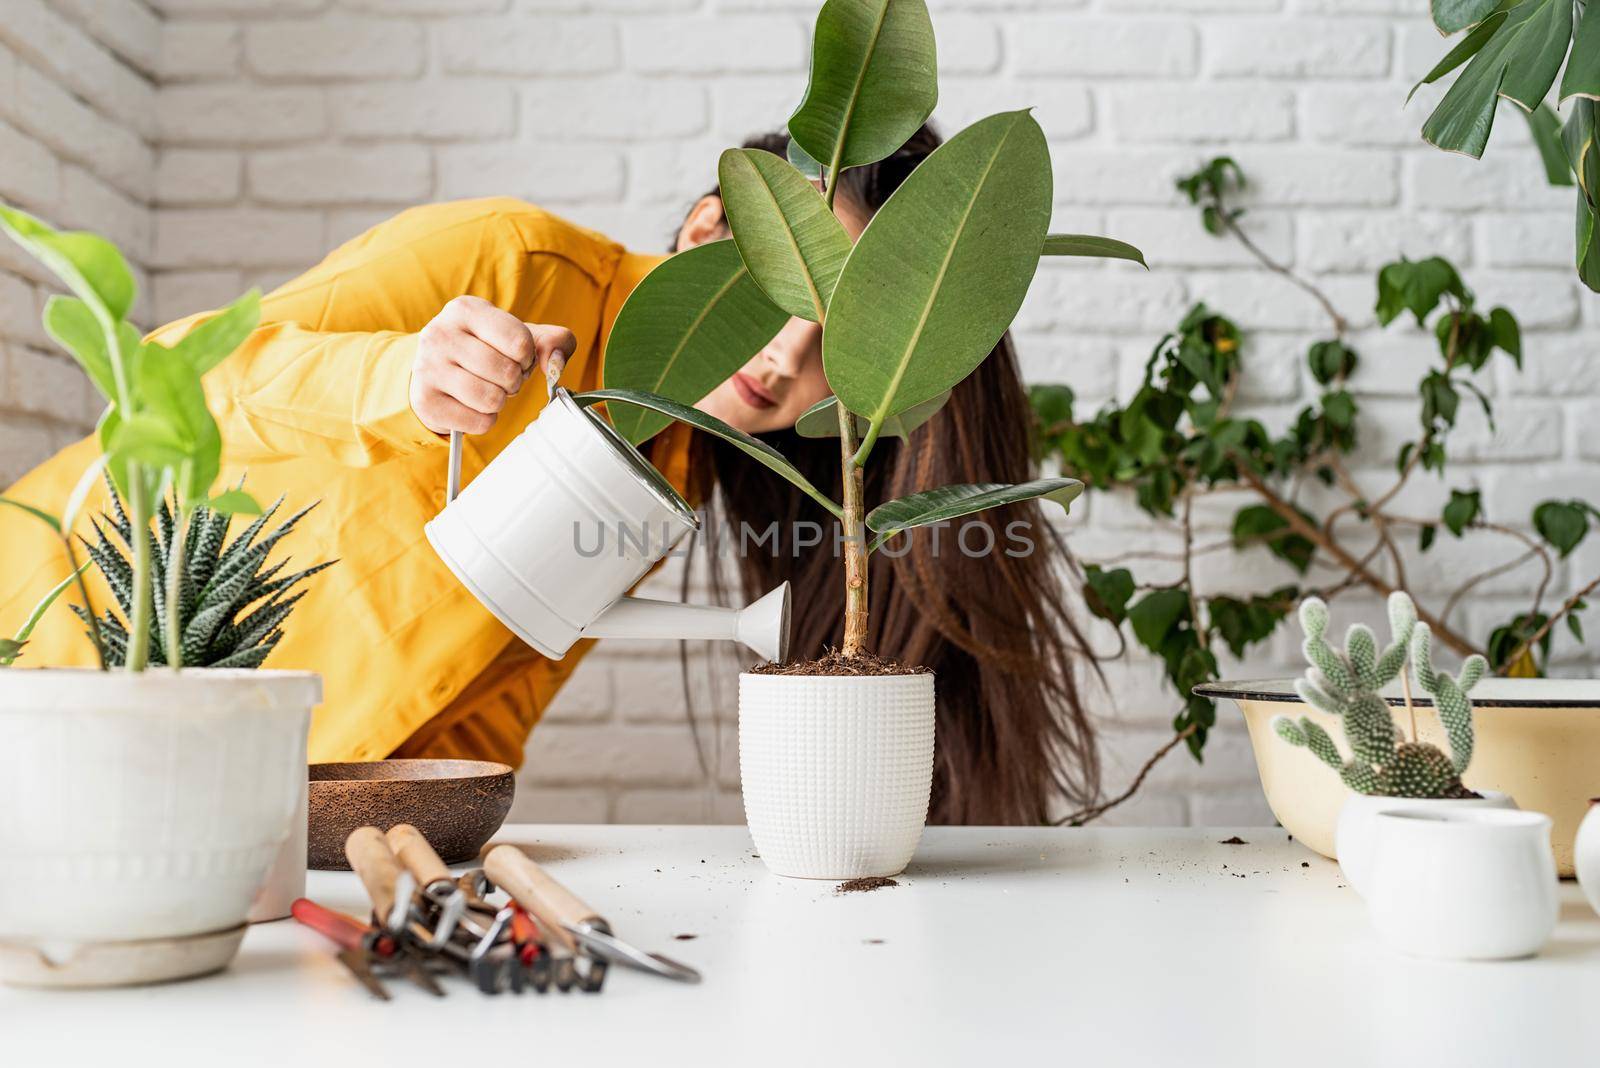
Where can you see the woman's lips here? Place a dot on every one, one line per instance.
(752, 392)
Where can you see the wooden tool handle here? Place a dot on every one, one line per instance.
(552, 904)
(417, 855)
(372, 859)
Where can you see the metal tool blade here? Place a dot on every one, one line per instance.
(356, 962)
(607, 946)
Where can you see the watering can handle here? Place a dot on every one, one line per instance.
(552, 375)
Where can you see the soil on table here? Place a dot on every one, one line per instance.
(835, 663)
(864, 884)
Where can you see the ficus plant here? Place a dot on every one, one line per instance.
(907, 311)
(1181, 437)
(1515, 51)
(157, 436)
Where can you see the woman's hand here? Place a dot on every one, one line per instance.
(473, 357)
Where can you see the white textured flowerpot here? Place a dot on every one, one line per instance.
(1586, 853)
(836, 771)
(143, 807)
(1356, 832)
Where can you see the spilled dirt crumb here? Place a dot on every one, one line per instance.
(864, 884)
(684, 937)
(1235, 840)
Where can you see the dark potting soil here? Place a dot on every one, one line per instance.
(834, 663)
(1235, 840)
(864, 884)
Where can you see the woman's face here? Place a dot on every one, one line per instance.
(785, 378)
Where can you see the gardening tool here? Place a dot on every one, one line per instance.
(567, 519)
(571, 925)
(359, 943)
(390, 888)
(445, 899)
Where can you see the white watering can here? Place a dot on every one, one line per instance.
(556, 529)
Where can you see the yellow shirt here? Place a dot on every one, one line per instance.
(315, 407)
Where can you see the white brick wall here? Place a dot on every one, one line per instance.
(230, 142)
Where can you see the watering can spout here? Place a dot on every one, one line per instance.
(762, 626)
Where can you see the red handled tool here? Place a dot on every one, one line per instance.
(358, 943)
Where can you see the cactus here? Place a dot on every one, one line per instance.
(1346, 684)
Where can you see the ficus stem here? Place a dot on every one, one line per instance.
(855, 538)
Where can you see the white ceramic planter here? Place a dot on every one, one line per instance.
(1587, 855)
(1471, 884)
(143, 807)
(836, 771)
(1356, 833)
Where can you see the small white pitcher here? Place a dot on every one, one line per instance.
(1467, 884)
(556, 529)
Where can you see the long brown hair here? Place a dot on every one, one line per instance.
(1012, 731)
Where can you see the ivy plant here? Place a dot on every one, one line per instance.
(1180, 437)
(156, 435)
(907, 311)
(1516, 51)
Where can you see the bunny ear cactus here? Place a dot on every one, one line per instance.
(1347, 684)
(907, 312)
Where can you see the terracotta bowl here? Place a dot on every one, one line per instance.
(1536, 739)
(456, 804)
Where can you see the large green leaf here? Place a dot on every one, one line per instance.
(1545, 126)
(821, 420)
(87, 263)
(952, 502)
(874, 81)
(170, 392)
(788, 237)
(74, 327)
(669, 409)
(693, 321)
(1520, 62)
(941, 270)
(1583, 65)
(802, 161)
(1465, 49)
(1453, 15)
(1089, 245)
(1583, 150)
(215, 339)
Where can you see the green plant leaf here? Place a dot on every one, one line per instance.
(1107, 593)
(1453, 15)
(10, 649)
(22, 636)
(1579, 137)
(1155, 614)
(941, 270)
(1259, 524)
(1465, 49)
(38, 513)
(234, 502)
(169, 389)
(1545, 126)
(147, 439)
(801, 160)
(87, 263)
(1462, 510)
(1416, 286)
(215, 339)
(874, 81)
(758, 450)
(1089, 245)
(788, 237)
(821, 420)
(1583, 65)
(1561, 523)
(952, 502)
(1507, 334)
(74, 327)
(689, 324)
(1520, 62)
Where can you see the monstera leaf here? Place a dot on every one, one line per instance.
(821, 420)
(668, 409)
(952, 502)
(788, 237)
(873, 81)
(1453, 15)
(940, 271)
(693, 321)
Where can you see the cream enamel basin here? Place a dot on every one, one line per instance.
(1537, 739)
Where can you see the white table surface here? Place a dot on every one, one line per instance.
(1052, 946)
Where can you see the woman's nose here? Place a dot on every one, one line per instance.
(794, 345)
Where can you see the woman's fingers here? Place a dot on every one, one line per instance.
(553, 344)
